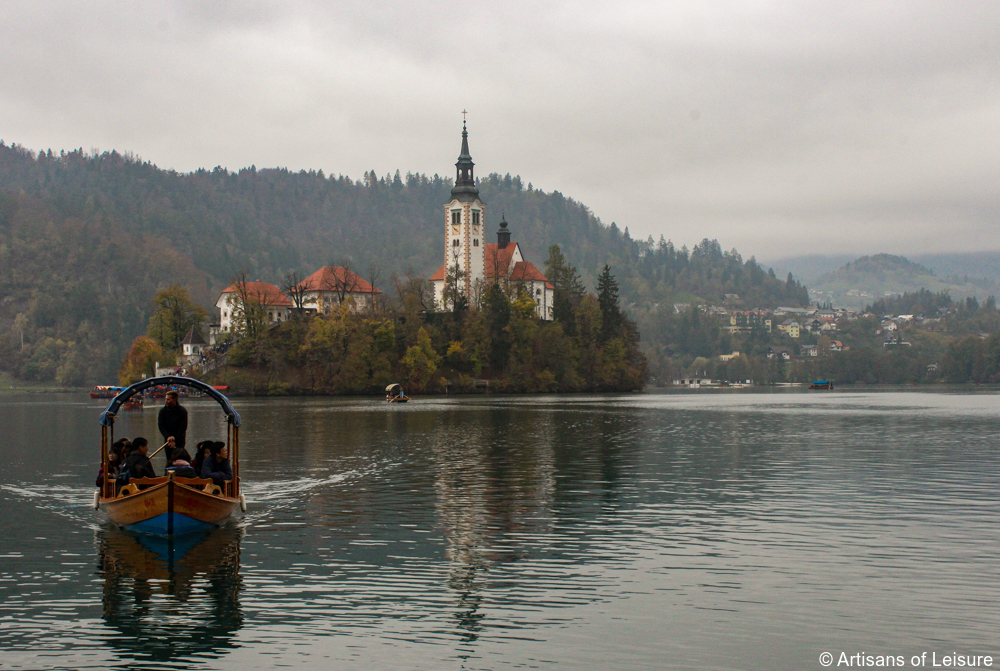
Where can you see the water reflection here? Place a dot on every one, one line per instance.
(494, 481)
(171, 599)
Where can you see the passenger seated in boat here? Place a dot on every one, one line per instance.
(216, 464)
(115, 459)
(180, 463)
(137, 464)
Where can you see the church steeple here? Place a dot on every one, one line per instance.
(465, 182)
(503, 235)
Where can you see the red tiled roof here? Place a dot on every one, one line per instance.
(439, 275)
(335, 278)
(267, 292)
(525, 271)
(498, 259)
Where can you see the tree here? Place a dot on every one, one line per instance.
(569, 289)
(607, 297)
(454, 297)
(140, 360)
(296, 291)
(174, 314)
(421, 360)
(248, 308)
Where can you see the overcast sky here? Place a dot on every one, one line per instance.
(777, 128)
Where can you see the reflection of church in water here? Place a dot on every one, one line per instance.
(472, 261)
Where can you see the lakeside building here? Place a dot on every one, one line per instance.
(273, 299)
(328, 287)
(471, 262)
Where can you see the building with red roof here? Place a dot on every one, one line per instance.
(471, 259)
(271, 297)
(330, 286)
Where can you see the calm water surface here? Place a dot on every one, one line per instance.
(653, 531)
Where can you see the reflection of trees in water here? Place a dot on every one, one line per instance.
(493, 481)
(171, 599)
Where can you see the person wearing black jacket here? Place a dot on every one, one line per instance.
(138, 464)
(216, 464)
(173, 421)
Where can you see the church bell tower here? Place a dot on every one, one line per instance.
(465, 223)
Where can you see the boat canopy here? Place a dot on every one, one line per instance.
(107, 417)
(393, 387)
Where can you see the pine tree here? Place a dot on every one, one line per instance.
(607, 297)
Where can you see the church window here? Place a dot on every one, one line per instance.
(454, 243)
(475, 217)
(456, 217)
(475, 242)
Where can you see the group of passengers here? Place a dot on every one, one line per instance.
(127, 459)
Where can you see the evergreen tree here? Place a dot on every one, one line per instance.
(607, 297)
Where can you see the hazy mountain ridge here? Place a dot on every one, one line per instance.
(869, 278)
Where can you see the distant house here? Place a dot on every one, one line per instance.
(328, 287)
(728, 357)
(779, 352)
(810, 350)
(744, 321)
(836, 346)
(791, 328)
(274, 301)
(192, 346)
(681, 307)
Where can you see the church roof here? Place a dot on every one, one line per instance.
(193, 337)
(525, 271)
(266, 292)
(439, 275)
(465, 188)
(498, 259)
(337, 278)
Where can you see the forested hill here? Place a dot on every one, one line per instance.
(79, 232)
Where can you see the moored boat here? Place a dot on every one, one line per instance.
(170, 505)
(821, 384)
(105, 391)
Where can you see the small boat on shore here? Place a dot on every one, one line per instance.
(170, 505)
(821, 384)
(395, 393)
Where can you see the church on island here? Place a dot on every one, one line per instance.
(471, 262)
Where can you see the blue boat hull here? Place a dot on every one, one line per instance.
(163, 525)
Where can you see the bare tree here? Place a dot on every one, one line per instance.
(374, 274)
(341, 281)
(295, 290)
(248, 307)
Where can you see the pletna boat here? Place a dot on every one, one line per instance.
(170, 505)
(395, 393)
(821, 384)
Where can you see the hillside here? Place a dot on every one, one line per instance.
(87, 239)
(869, 278)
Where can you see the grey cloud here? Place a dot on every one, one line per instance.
(775, 128)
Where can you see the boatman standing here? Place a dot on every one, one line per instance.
(173, 421)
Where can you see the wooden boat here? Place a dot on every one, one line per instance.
(171, 505)
(105, 391)
(822, 384)
(134, 403)
(395, 393)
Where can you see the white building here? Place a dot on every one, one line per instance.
(330, 286)
(477, 261)
(274, 301)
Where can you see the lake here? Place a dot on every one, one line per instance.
(694, 530)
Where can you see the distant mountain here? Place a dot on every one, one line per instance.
(810, 267)
(869, 278)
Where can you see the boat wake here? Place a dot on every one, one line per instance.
(74, 503)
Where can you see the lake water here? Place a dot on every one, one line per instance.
(649, 531)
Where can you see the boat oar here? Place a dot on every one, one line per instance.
(158, 450)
